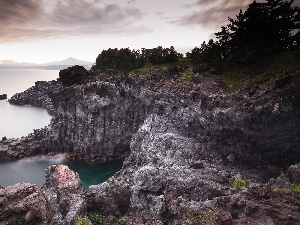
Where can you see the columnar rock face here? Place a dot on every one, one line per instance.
(64, 193)
(188, 146)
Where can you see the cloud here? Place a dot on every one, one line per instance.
(24, 20)
(18, 12)
(214, 13)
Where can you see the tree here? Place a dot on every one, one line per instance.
(263, 29)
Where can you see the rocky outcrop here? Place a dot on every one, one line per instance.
(73, 75)
(3, 96)
(24, 203)
(187, 146)
(64, 193)
(59, 202)
(38, 95)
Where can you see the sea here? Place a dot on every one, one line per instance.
(18, 121)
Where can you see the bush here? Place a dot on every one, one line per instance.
(81, 220)
(295, 189)
(97, 218)
(122, 219)
(239, 183)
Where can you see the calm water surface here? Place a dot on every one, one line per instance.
(32, 170)
(17, 121)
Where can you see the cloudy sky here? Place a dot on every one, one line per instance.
(48, 30)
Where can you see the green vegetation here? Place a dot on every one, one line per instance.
(97, 218)
(122, 219)
(3, 207)
(15, 221)
(239, 183)
(259, 45)
(125, 60)
(187, 76)
(207, 217)
(295, 189)
(298, 164)
(81, 220)
(276, 189)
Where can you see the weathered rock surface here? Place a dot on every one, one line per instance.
(64, 193)
(187, 145)
(23, 203)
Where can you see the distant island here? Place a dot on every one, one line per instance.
(56, 65)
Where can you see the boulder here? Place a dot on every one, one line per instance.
(24, 203)
(73, 75)
(3, 97)
(64, 193)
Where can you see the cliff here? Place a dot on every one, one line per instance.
(185, 147)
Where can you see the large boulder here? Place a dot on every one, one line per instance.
(64, 192)
(24, 203)
(73, 75)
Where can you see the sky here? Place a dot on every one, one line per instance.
(39, 31)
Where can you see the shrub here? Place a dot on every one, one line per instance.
(81, 220)
(122, 219)
(97, 218)
(15, 221)
(295, 189)
(239, 183)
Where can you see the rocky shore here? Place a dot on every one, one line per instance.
(194, 154)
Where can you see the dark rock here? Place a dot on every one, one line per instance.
(73, 75)
(282, 82)
(3, 96)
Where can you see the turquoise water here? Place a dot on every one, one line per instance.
(32, 170)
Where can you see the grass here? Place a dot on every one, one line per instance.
(187, 76)
(267, 69)
(239, 183)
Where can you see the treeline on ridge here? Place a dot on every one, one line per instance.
(262, 30)
(125, 59)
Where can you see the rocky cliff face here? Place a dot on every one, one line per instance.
(189, 145)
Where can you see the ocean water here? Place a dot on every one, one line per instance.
(32, 170)
(17, 121)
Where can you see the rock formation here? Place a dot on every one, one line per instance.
(23, 204)
(3, 96)
(64, 192)
(196, 154)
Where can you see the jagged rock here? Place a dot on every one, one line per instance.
(179, 137)
(294, 172)
(64, 192)
(24, 203)
(73, 75)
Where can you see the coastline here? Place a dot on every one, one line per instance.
(185, 147)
